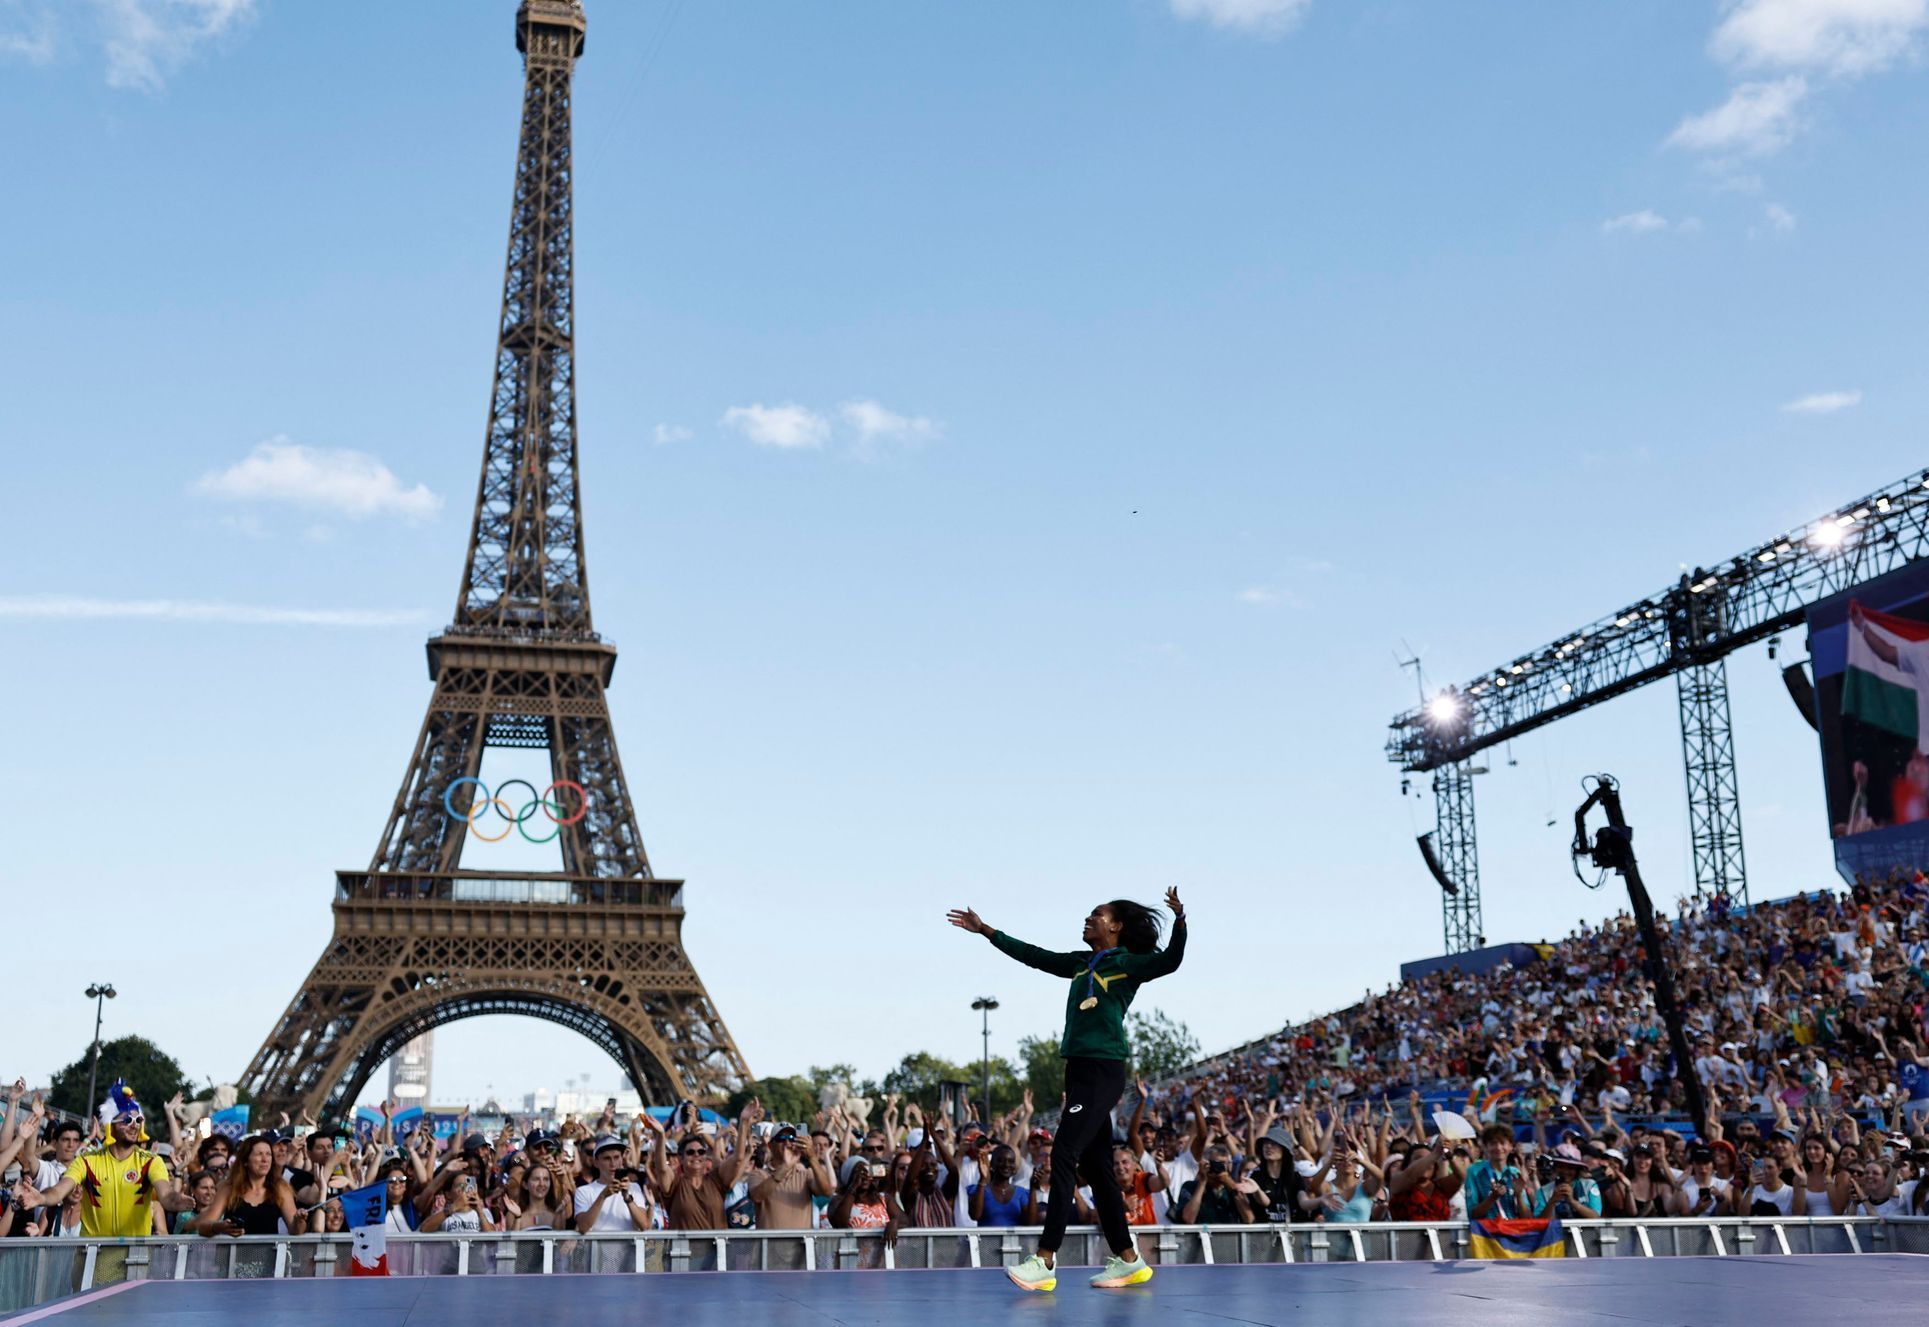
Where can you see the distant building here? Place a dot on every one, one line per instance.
(409, 1071)
(584, 1103)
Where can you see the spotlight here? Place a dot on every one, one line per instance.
(1443, 708)
(1827, 535)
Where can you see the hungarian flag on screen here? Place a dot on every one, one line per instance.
(1876, 691)
(1525, 1237)
(367, 1213)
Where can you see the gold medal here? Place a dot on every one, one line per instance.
(1089, 1002)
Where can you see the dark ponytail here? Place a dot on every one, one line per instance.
(1139, 926)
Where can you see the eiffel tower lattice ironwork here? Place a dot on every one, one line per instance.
(596, 946)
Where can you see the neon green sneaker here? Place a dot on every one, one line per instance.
(1119, 1272)
(1033, 1274)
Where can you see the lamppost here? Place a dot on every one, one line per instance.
(984, 1004)
(99, 992)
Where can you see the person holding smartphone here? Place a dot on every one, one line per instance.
(606, 1202)
(1766, 1192)
(782, 1189)
(462, 1213)
(864, 1203)
(256, 1200)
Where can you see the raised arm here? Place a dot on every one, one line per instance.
(1059, 965)
(820, 1181)
(175, 1105)
(658, 1158)
(1881, 648)
(13, 1099)
(728, 1172)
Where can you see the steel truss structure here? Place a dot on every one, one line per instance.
(1685, 631)
(1453, 844)
(597, 945)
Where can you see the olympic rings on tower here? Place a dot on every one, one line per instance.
(482, 800)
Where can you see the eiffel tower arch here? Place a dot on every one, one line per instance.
(596, 946)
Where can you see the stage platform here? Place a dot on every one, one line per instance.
(1612, 1292)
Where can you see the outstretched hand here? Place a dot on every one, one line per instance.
(1177, 909)
(967, 920)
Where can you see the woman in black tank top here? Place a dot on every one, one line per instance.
(255, 1200)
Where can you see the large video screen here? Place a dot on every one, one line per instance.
(1869, 650)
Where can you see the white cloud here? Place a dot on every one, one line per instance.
(663, 434)
(1260, 595)
(195, 610)
(877, 424)
(787, 426)
(873, 420)
(1779, 217)
(1262, 18)
(1634, 223)
(148, 40)
(1823, 403)
(32, 40)
(1829, 39)
(1646, 222)
(1757, 119)
(1843, 37)
(347, 483)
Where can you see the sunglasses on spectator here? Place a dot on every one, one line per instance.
(695, 1152)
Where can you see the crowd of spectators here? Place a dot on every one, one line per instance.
(1806, 1018)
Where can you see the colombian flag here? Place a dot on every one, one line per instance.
(1535, 1237)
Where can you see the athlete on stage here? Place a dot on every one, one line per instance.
(1123, 953)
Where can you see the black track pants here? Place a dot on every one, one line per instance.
(1083, 1147)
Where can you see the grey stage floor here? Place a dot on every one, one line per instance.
(1613, 1292)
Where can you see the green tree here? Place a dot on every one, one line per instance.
(1044, 1070)
(1007, 1083)
(918, 1076)
(150, 1072)
(1161, 1045)
(821, 1076)
(791, 1100)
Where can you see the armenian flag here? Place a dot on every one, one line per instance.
(1524, 1237)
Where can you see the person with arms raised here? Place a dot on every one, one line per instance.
(1122, 940)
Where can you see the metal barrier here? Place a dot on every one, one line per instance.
(33, 1271)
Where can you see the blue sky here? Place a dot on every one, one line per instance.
(1018, 441)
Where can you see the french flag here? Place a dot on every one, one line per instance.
(367, 1213)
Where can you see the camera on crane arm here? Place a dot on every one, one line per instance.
(1612, 846)
(1612, 849)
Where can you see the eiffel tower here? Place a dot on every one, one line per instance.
(596, 946)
